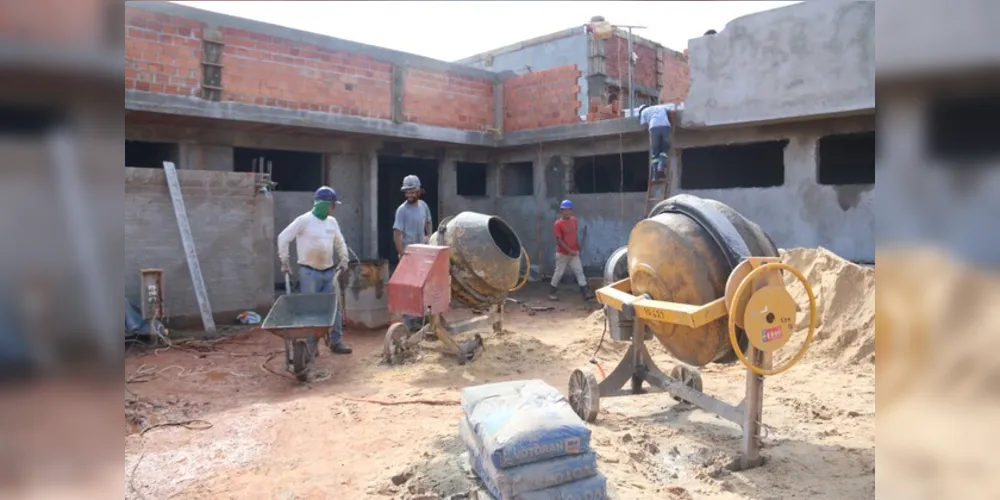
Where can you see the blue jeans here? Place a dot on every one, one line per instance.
(659, 147)
(313, 281)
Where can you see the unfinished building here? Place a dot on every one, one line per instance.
(220, 95)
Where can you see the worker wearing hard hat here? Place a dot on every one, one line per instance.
(321, 252)
(658, 119)
(413, 224)
(567, 252)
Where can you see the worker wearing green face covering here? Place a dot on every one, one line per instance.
(321, 250)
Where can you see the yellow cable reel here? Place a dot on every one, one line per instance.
(769, 317)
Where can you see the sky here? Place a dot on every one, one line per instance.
(453, 30)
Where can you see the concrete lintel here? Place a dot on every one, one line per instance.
(584, 130)
(638, 87)
(393, 57)
(196, 107)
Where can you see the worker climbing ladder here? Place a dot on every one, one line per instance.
(658, 187)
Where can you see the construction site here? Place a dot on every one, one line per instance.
(726, 348)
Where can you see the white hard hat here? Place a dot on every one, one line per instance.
(410, 182)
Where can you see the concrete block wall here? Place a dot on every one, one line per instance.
(800, 213)
(233, 230)
(542, 99)
(810, 59)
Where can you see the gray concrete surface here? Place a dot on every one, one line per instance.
(920, 37)
(233, 229)
(811, 59)
(800, 213)
(929, 199)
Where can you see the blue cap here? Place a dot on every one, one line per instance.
(566, 204)
(326, 193)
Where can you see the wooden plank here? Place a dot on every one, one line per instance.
(189, 251)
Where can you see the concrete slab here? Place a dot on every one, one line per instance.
(197, 107)
(583, 130)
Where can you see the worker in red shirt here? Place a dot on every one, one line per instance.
(567, 252)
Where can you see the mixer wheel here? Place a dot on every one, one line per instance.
(395, 346)
(584, 395)
(687, 376)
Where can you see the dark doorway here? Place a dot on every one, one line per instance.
(291, 170)
(150, 154)
(614, 173)
(391, 170)
(751, 165)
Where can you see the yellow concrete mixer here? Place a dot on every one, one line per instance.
(708, 285)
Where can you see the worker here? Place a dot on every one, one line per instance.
(567, 252)
(321, 251)
(413, 224)
(658, 119)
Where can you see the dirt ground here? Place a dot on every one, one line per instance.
(258, 435)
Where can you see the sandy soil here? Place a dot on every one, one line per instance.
(270, 437)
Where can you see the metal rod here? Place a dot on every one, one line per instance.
(631, 72)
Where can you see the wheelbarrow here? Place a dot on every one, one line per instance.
(301, 319)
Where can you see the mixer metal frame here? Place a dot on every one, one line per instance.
(684, 382)
(399, 340)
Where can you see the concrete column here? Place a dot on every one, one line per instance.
(498, 105)
(369, 210)
(398, 85)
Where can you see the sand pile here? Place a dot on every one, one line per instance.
(845, 304)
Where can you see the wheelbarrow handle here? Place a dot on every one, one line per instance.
(288, 284)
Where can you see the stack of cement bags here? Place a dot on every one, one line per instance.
(526, 443)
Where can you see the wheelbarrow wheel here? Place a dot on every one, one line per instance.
(300, 360)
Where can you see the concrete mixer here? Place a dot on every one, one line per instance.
(474, 258)
(708, 285)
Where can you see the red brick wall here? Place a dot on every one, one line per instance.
(542, 99)
(162, 53)
(616, 62)
(676, 78)
(448, 100)
(270, 71)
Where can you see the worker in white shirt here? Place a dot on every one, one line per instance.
(321, 250)
(658, 119)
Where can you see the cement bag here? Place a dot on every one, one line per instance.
(512, 482)
(523, 421)
(592, 488)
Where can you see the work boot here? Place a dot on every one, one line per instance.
(553, 293)
(340, 348)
